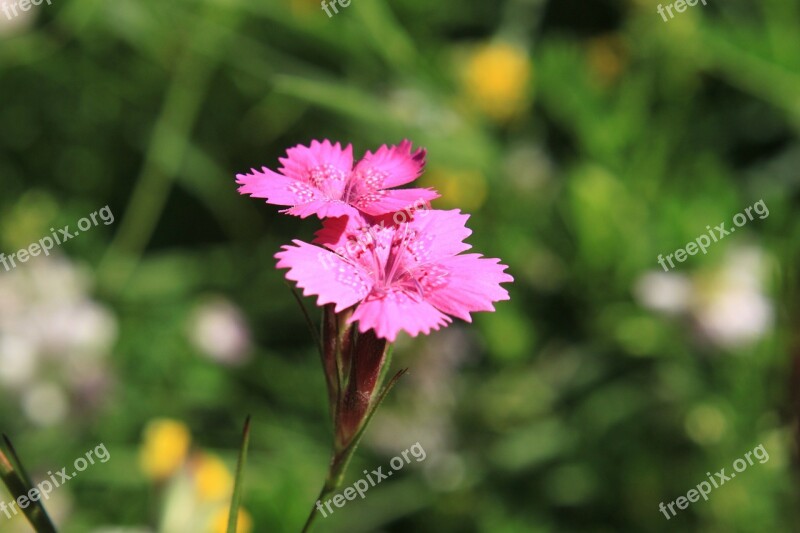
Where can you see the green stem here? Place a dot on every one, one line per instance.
(340, 461)
(236, 499)
(333, 481)
(13, 479)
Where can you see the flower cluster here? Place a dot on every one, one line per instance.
(55, 341)
(395, 266)
(382, 263)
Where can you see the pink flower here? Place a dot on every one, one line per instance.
(407, 276)
(320, 180)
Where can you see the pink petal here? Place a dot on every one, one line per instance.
(335, 231)
(390, 166)
(472, 283)
(309, 177)
(322, 165)
(322, 273)
(277, 189)
(394, 311)
(323, 209)
(439, 234)
(300, 160)
(394, 201)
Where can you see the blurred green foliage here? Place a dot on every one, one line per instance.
(586, 139)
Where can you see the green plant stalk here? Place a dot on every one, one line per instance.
(17, 463)
(310, 323)
(340, 461)
(233, 517)
(13, 480)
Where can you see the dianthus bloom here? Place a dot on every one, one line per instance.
(382, 263)
(405, 276)
(321, 180)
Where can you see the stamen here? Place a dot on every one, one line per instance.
(398, 256)
(379, 271)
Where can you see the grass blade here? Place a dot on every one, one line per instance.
(233, 517)
(16, 463)
(19, 485)
(310, 323)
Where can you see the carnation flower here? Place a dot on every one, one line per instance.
(409, 276)
(321, 180)
(381, 264)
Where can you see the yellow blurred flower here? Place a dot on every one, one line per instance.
(166, 443)
(244, 524)
(463, 189)
(213, 480)
(497, 79)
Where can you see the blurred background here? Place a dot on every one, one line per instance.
(585, 138)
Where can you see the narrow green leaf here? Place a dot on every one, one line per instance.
(233, 517)
(307, 316)
(343, 460)
(16, 463)
(375, 405)
(387, 363)
(19, 485)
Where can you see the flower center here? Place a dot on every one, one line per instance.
(328, 179)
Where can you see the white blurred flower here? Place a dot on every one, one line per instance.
(729, 304)
(83, 327)
(666, 292)
(732, 309)
(18, 360)
(528, 167)
(45, 404)
(218, 329)
(48, 323)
